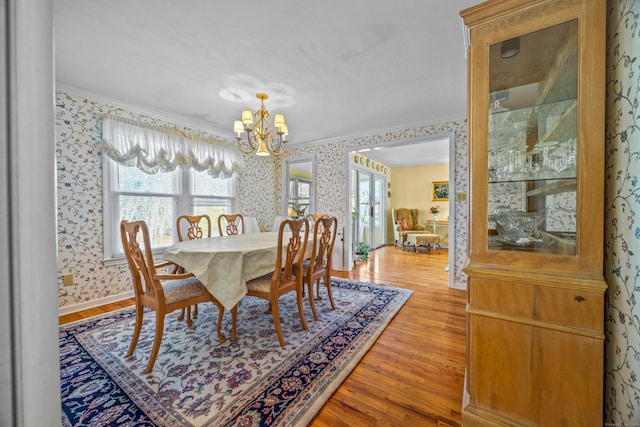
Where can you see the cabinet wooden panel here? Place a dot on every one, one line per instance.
(536, 151)
(569, 379)
(502, 365)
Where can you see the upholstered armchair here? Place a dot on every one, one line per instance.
(405, 221)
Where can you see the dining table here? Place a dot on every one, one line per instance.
(224, 264)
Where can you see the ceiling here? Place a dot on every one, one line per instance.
(334, 68)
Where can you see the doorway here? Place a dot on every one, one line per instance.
(368, 207)
(419, 150)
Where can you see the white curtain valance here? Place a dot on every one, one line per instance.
(153, 149)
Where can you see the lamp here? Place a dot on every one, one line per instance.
(510, 48)
(261, 138)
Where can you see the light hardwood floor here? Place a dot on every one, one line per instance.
(414, 373)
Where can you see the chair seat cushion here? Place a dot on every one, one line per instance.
(305, 266)
(260, 284)
(181, 290)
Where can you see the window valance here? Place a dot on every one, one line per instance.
(154, 149)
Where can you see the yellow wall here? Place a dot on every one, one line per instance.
(411, 188)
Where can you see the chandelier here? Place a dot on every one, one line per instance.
(261, 138)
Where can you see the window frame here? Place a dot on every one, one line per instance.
(183, 202)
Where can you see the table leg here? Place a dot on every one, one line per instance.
(233, 334)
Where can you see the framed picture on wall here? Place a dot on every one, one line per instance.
(440, 190)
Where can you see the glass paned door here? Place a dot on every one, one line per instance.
(378, 220)
(368, 208)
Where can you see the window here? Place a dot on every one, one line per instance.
(297, 188)
(158, 199)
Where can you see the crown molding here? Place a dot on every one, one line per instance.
(206, 126)
(351, 137)
(190, 122)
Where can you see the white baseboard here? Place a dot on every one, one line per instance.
(74, 308)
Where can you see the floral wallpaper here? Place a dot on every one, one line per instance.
(622, 204)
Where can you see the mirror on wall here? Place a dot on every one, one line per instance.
(298, 186)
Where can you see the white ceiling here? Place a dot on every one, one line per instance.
(334, 68)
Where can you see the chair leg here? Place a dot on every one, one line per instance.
(318, 296)
(276, 322)
(303, 319)
(233, 334)
(189, 321)
(221, 336)
(156, 341)
(327, 284)
(188, 311)
(312, 303)
(136, 329)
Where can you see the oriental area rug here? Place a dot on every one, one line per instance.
(198, 381)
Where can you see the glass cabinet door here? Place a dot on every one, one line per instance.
(532, 141)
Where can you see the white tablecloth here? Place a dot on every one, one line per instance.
(225, 264)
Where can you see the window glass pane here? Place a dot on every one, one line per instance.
(157, 212)
(212, 207)
(132, 179)
(205, 185)
(300, 205)
(304, 189)
(292, 188)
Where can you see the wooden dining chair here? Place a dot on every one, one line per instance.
(284, 279)
(190, 226)
(319, 265)
(312, 218)
(163, 292)
(228, 224)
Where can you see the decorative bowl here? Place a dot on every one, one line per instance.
(514, 225)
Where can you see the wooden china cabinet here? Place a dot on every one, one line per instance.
(536, 78)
